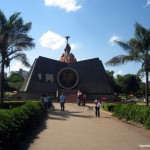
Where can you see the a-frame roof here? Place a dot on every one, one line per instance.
(92, 75)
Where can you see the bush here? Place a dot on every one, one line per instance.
(109, 107)
(119, 111)
(147, 124)
(142, 114)
(11, 104)
(18, 122)
(136, 113)
(130, 111)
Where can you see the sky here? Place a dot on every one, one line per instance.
(92, 25)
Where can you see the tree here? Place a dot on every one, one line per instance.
(14, 39)
(112, 81)
(15, 81)
(129, 84)
(137, 50)
(141, 91)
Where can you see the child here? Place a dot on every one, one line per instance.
(97, 107)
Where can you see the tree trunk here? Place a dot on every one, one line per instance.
(147, 100)
(2, 82)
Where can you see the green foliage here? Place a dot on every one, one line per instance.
(109, 106)
(112, 81)
(11, 104)
(15, 86)
(14, 81)
(15, 77)
(14, 40)
(136, 113)
(141, 91)
(130, 111)
(128, 83)
(141, 115)
(147, 124)
(137, 50)
(20, 121)
(119, 111)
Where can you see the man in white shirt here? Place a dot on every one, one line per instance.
(97, 107)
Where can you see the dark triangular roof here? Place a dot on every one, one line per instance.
(92, 76)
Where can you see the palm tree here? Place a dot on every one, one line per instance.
(138, 50)
(14, 39)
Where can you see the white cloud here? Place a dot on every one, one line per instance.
(148, 2)
(119, 72)
(113, 39)
(68, 5)
(52, 40)
(16, 66)
(74, 46)
(55, 41)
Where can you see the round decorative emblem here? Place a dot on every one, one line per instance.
(68, 78)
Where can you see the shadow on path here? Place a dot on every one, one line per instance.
(52, 115)
(59, 116)
(24, 144)
(64, 115)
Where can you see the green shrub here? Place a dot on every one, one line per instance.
(18, 122)
(147, 123)
(12, 104)
(136, 113)
(130, 111)
(141, 115)
(109, 106)
(119, 111)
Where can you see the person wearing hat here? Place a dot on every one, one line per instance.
(62, 101)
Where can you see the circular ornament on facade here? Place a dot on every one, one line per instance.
(68, 78)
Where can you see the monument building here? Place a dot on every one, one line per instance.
(67, 75)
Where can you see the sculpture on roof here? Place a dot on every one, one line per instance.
(67, 56)
(67, 48)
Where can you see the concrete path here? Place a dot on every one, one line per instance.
(79, 129)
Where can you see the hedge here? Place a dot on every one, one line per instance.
(19, 122)
(109, 107)
(11, 104)
(137, 113)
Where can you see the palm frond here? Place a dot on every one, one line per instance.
(139, 31)
(14, 17)
(24, 42)
(22, 58)
(141, 72)
(119, 60)
(126, 47)
(3, 20)
(146, 41)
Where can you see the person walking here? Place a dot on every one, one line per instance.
(84, 99)
(50, 102)
(62, 101)
(79, 97)
(52, 99)
(97, 107)
(45, 102)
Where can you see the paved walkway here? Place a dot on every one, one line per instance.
(79, 129)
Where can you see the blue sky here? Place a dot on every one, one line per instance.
(93, 25)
